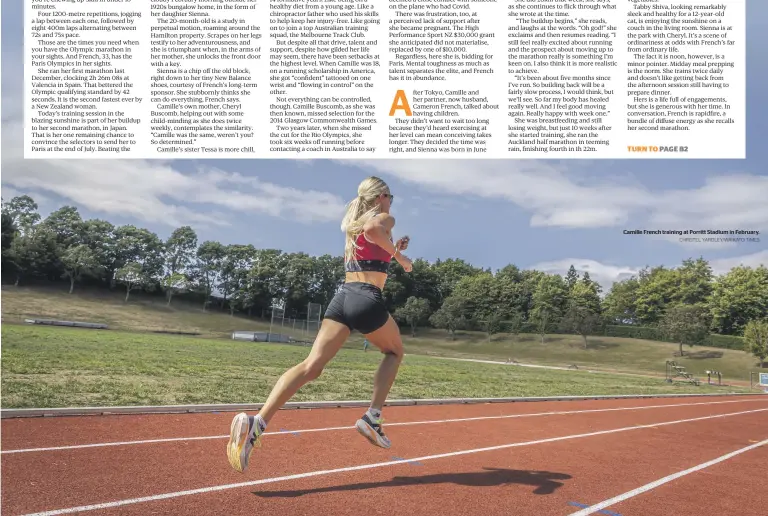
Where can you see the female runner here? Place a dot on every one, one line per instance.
(358, 305)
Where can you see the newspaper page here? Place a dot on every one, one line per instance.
(405, 217)
(307, 79)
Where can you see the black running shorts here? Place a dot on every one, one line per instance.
(360, 306)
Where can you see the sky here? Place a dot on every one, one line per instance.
(542, 214)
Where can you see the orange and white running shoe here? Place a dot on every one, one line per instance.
(244, 436)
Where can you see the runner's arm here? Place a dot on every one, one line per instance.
(378, 230)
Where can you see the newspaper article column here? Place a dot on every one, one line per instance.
(324, 73)
(85, 79)
(626, 78)
(565, 77)
(445, 78)
(206, 89)
(686, 79)
(150, 79)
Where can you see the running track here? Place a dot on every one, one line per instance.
(631, 457)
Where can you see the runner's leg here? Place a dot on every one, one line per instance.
(388, 340)
(245, 431)
(330, 338)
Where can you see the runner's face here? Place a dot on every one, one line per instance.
(386, 201)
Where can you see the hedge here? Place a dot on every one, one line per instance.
(714, 340)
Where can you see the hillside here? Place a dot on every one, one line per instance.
(142, 313)
(151, 314)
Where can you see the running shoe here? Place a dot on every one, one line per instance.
(244, 436)
(372, 430)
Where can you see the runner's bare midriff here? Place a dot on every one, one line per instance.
(375, 278)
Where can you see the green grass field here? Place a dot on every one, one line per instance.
(144, 314)
(128, 364)
(603, 353)
(60, 367)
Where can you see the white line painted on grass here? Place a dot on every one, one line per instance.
(406, 423)
(653, 485)
(211, 489)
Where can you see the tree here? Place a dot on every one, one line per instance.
(528, 284)
(180, 249)
(542, 318)
(494, 298)
(583, 314)
(329, 276)
(23, 212)
(685, 324)
(451, 316)
(67, 224)
(394, 290)
(492, 323)
(139, 245)
(235, 275)
(33, 252)
(173, 283)
(77, 261)
(619, 305)
(694, 282)
(660, 288)
(586, 293)
(99, 236)
(756, 339)
(515, 324)
(549, 301)
(450, 272)
(656, 291)
(9, 231)
(739, 296)
(132, 275)
(580, 320)
(179, 253)
(265, 280)
(593, 285)
(571, 277)
(423, 282)
(511, 273)
(414, 312)
(206, 272)
(9, 234)
(297, 275)
(508, 294)
(487, 300)
(475, 294)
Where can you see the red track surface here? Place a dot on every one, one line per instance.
(544, 478)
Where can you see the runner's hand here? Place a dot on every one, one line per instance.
(405, 262)
(402, 244)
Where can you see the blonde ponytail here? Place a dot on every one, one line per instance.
(359, 211)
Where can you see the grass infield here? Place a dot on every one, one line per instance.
(65, 367)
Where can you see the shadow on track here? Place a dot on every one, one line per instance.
(546, 482)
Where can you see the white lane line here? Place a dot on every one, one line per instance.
(647, 487)
(407, 423)
(211, 489)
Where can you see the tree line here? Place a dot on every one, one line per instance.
(685, 304)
